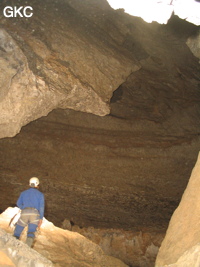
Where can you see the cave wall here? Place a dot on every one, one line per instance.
(181, 243)
(100, 172)
(126, 165)
(61, 59)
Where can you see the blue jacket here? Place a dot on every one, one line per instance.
(32, 198)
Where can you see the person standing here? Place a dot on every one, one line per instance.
(31, 203)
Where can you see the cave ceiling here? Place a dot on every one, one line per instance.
(101, 105)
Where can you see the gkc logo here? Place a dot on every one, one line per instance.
(13, 12)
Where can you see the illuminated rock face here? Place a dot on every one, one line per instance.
(181, 243)
(52, 247)
(124, 170)
(193, 43)
(54, 61)
(23, 94)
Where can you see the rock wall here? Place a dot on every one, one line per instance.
(133, 248)
(124, 170)
(52, 245)
(193, 43)
(15, 253)
(74, 57)
(183, 233)
(189, 258)
(23, 95)
(60, 60)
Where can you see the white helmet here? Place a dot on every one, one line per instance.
(34, 181)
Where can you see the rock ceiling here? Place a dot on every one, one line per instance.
(58, 60)
(118, 147)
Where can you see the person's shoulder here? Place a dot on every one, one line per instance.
(34, 190)
(25, 191)
(39, 192)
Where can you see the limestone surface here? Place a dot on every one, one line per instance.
(193, 43)
(52, 247)
(183, 233)
(60, 59)
(189, 258)
(127, 169)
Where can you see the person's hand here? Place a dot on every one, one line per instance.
(40, 223)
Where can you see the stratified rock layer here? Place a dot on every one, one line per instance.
(124, 170)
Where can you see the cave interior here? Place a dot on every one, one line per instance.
(123, 162)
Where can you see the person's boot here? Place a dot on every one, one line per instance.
(29, 241)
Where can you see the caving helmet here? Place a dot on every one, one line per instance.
(34, 182)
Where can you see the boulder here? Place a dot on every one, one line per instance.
(183, 232)
(190, 258)
(53, 246)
